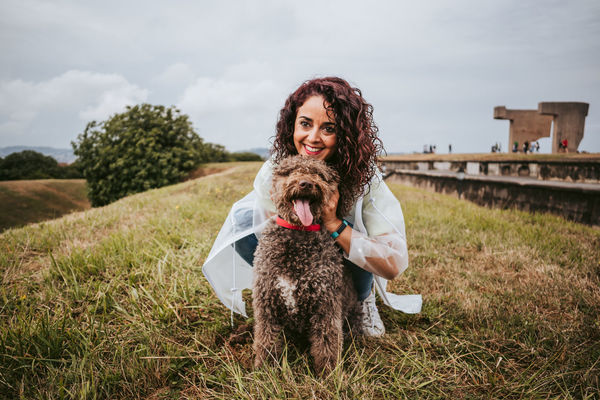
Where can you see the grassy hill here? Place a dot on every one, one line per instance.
(111, 303)
(28, 201)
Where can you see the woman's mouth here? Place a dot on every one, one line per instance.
(311, 151)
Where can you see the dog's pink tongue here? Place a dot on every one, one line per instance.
(302, 209)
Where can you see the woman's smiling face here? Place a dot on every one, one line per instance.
(314, 130)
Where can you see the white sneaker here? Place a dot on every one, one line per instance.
(372, 324)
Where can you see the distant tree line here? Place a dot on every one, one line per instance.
(145, 147)
(217, 153)
(29, 164)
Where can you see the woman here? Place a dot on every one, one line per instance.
(329, 120)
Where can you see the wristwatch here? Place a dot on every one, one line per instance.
(340, 229)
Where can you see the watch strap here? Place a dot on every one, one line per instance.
(340, 229)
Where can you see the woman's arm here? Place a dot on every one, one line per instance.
(384, 255)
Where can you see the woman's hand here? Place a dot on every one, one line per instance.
(330, 219)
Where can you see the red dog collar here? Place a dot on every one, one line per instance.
(311, 228)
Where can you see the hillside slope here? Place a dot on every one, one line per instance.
(111, 303)
(26, 201)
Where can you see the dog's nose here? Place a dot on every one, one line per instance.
(306, 185)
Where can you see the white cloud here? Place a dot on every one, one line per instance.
(36, 108)
(208, 95)
(237, 110)
(432, 70)
(178, 74)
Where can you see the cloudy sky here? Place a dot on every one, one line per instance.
(432, 70)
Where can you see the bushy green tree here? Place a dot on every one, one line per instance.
(145, 147)
(69, 171)
(215, 153)
(28, 164)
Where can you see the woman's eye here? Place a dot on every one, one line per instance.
(330, 129)
(304, 124)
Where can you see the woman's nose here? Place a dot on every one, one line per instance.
(313, 135)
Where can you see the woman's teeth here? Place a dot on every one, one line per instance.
(312, 149)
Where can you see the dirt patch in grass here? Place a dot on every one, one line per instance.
(207, 170)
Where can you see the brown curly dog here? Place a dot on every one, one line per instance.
(301, 288)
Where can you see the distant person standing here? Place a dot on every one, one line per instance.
(564, 146)
(525, 147)
(537, 147)
(515, 147)
(450, 148)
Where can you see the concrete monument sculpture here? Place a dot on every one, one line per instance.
(530, 125)
(525, 125)
(569, 121)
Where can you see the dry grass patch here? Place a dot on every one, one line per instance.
(30, 201)
(520, 285)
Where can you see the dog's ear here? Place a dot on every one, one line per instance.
(285, 167)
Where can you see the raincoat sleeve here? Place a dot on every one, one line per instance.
(226, 271)
(384, 247)
(379, 242)
(262, 187)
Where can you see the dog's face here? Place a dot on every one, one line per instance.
(301, 185)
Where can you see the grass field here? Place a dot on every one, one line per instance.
(27, 201)
(111, 303)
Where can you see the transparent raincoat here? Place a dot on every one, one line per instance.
(378, 238)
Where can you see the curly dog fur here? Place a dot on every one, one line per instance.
(301, 288)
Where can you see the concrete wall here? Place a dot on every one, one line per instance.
(576, 204)
(570, 171)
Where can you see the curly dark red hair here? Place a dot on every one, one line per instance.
(357, 140)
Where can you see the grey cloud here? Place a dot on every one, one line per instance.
(33, 112)
(433, 70)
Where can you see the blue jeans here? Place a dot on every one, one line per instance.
(363, 280)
